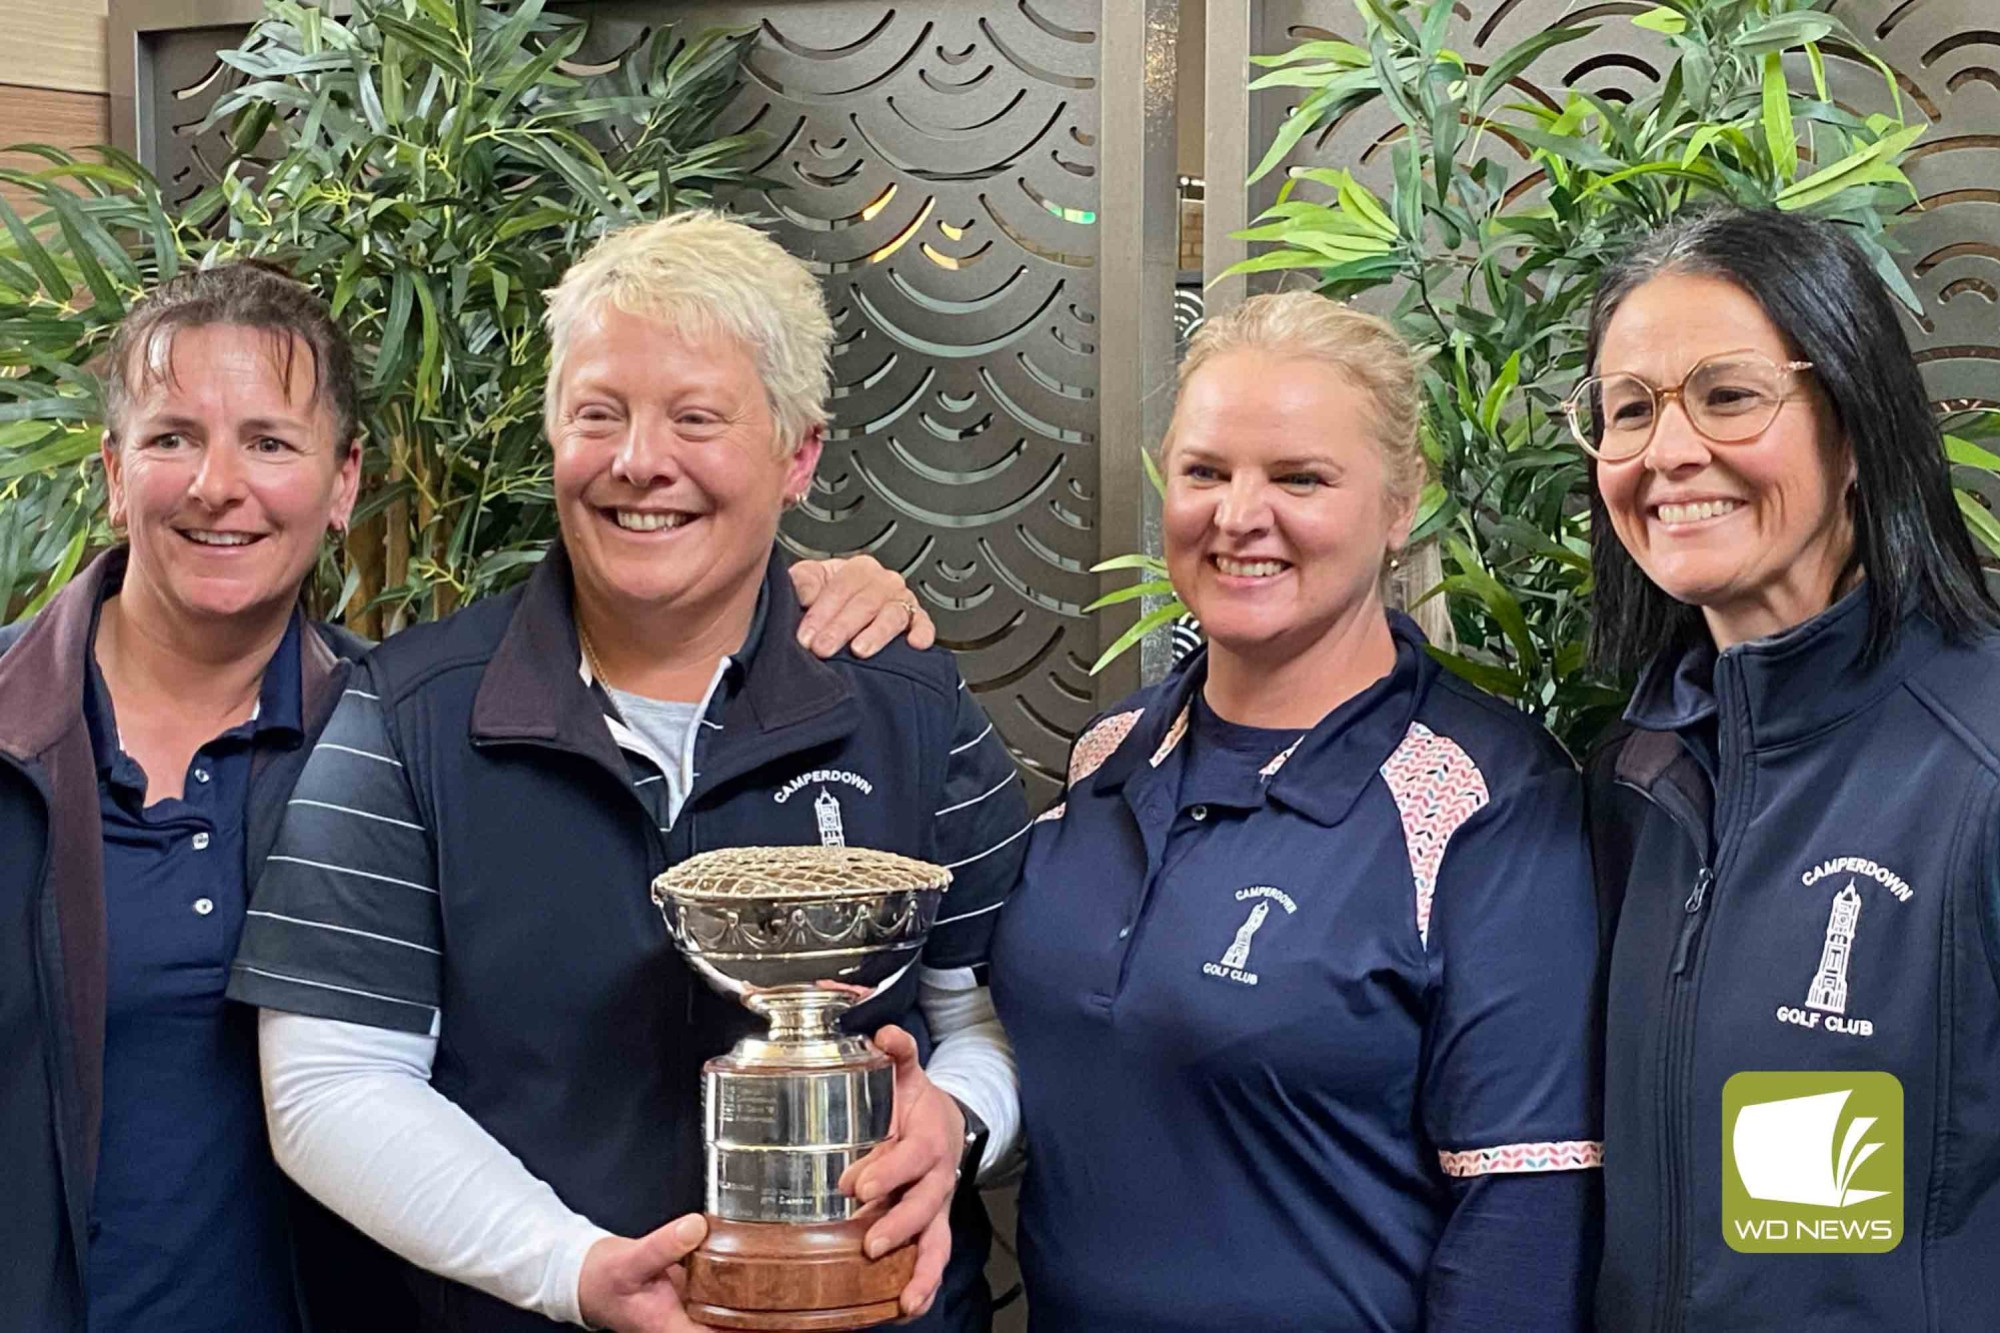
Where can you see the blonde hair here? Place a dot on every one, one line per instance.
(703, 274)
(1364, 348)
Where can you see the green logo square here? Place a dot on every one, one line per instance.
(1812, 1163)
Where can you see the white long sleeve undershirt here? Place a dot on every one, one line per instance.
(354, 1119)
(972, 1058)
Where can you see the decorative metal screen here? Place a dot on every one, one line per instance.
(187, 79)
(938, 166)
(1947, 62)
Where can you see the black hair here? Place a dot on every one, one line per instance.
(247, 293)
(1820, 290)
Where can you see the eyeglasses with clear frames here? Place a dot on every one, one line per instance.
(1729, 398)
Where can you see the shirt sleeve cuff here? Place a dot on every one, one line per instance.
(265, 988)
(562, 1294)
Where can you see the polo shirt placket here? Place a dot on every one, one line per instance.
(188, 1216)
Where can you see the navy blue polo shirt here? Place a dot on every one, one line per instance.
(1288, 1008)
(188, 1228)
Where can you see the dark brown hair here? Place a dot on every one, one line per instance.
(245, 294)
(1821, 291)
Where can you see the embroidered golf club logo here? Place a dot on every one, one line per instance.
(1828, 996)
(1234, 964)
(827, 810)
(1813, 1162)
(1829, 985)
(827, 817)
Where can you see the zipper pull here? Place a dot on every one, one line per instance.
(1691, 924)
(1699, 897)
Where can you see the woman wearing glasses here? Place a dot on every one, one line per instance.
(1798, 828)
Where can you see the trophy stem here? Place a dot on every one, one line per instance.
(800, 1014)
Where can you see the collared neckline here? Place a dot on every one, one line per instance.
(1793, 683)
(41, 677)
(732, 667)
(532, 689)
(1324, 772)
(276, 715)
(1228, 763)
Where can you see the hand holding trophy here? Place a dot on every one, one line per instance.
(799, 935)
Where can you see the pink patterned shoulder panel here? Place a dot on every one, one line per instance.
(1097, 745)
(1437, 788)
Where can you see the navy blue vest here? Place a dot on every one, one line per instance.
(513, 770)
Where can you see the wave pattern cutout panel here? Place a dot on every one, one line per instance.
(1946, 55)
(936, 165)
(187, 79)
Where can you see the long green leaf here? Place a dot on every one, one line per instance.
(1662, 20)
(427, 42)
(53, 283)
(1859, 167)
(431, 353)
(1150, 588)
(531, 73)
(1980, 522)
(64, 570)
(389, 354)
(1149, 622)
(70, 447)
(1967, 454)
(1779, 135)
(1785, 32)
(1492, 679)
(1275, 259)
(85, 238)
(1150, 563)
(1339, 52)
(1516, 60)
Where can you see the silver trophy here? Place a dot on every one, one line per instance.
(800, 935)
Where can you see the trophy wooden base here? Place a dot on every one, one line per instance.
(794, 1278)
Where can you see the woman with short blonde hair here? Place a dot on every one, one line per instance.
(706, 275)
(455, 947)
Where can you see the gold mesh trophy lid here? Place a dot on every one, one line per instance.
(756, 919)
(737, 873)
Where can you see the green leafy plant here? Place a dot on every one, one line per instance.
(1502, 215)
(1153, 587)
(431, 167)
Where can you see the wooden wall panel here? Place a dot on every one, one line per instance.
(41, 115)
(53, 78)
(54, 44)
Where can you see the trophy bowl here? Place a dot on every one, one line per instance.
(799, 935)
(757, 919)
